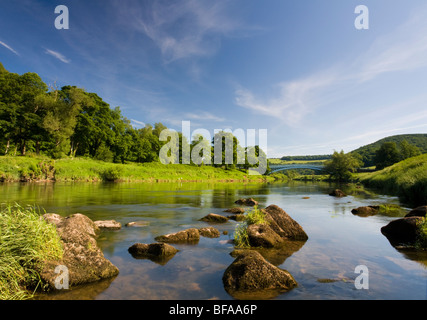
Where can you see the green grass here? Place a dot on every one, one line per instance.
(407, 179)
(422, 235)
(254, 216)
(83, 169)
(26, 242)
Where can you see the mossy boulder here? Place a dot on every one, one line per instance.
(251, 274)
(82, 256)
(337, 193)
(281, 223)
(405, 231)
(247, 202)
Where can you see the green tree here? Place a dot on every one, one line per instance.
(387, 155)
(342, 165)
(408, 150)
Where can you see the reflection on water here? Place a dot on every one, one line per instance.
(323, 266)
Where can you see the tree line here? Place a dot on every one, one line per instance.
(70, 122)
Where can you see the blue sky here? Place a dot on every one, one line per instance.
(297, 68)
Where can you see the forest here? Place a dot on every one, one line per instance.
(69, 122)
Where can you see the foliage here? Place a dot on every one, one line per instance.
(306, 158)
(26, 243)
(254, 216)
(421, 241)
(368, 152)
(341, 166)
(407, 178)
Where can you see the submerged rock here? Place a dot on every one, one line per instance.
(188, 235)
(137, 224)
(366, 211)
(157, 252)
(337, 193)
(212, 217)
(82, 256)
(250, 274)
(235, 210)
(247, 202)
(108, 224)
(209, 232)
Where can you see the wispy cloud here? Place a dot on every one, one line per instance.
(58, 56)
(203, 115)
(8, 47)
(183, 29)
(404, 49)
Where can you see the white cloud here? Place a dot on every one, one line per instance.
(203, 115)
(402, 50)
(8, 47)
(182, 29)
(57, 55)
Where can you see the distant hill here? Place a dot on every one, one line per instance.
(368, 152)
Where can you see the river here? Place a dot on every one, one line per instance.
(324, 266)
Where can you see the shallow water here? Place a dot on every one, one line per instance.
(324, 266)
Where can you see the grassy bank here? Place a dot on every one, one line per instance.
(26, 242)
(407, 179)
(82, 169)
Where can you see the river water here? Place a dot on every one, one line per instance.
(324, 266)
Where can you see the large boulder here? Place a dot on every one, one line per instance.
(82, 256)
(418, 212)
(404, 231)
(191, 235)
(157, 252)
(262, 235)
(283, 224)
(250, 274)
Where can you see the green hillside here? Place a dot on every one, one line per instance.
(408, 179)
(368, 152)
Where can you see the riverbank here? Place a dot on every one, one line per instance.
(33, 169)
(406, 179)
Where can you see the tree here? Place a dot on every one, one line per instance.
(408, 150)
(387, 155)
(341, 166)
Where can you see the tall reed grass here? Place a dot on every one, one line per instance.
(27, 241)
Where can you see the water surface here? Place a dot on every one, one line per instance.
(324, 266)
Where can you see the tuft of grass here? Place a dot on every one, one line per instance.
(27, 241)
(254, 216)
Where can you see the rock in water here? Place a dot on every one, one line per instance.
(108, 224)
(338, 193)
(158, 252)
(212, 217)
(418, 212)
(209, 232)
(283, 224)
(191, 235)
(251, 273)
(366, 211)
(403, 231)
(82, 256)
